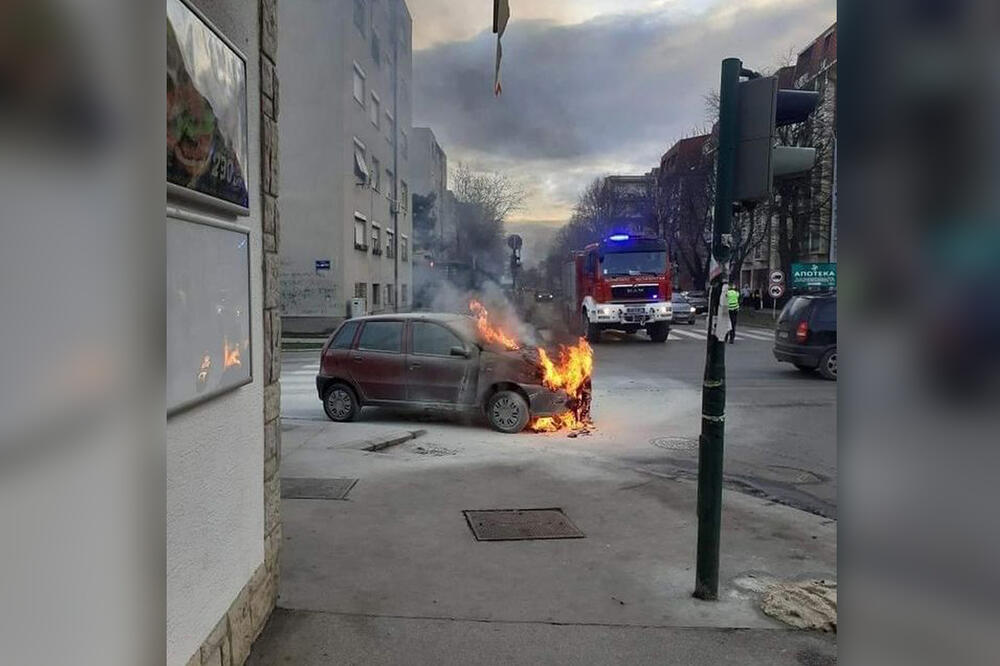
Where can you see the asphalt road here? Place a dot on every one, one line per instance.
(781, 424)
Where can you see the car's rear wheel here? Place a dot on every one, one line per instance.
(658, 332)
(828, 365)
(507, 411)
(341, 403)
(591, 330)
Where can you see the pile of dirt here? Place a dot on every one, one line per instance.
(810, 604)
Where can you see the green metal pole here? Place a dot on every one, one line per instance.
(713, 401)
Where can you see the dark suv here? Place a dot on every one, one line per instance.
(431, 360)
(806, 334)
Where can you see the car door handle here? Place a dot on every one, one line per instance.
(356, 359)
(414, 366)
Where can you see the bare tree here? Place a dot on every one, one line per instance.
(485, 200)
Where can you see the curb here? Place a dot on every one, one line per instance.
(390, 440)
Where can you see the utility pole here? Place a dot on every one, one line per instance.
(713, 400)
(394, 204)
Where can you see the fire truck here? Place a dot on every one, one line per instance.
(622, 282)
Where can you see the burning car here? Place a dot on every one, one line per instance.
(455, 362)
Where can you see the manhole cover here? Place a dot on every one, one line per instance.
(328, 489)
(520, 524)
(675, 443)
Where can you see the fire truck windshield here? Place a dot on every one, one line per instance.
(634, 263)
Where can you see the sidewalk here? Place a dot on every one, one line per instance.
(393, 574)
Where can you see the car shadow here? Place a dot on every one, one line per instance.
(417, 416)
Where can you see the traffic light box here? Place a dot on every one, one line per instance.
(762, 107)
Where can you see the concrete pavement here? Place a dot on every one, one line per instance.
(393, 574)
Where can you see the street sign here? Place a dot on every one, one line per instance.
(814, 276)
(776, 290)
(322, 264)
(777, 276)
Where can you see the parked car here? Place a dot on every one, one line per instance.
(699, 299)
(684, 312)
(544, 297)
(806, 334)
(431, 360)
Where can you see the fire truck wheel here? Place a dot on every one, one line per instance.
(507, 411)
(591, 330)
(658, 332)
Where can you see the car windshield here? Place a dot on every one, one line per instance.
(634, 263)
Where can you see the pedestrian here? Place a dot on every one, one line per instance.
(733, 302)
(756, 299)
(745, 295)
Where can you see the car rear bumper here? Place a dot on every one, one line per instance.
(808, 356)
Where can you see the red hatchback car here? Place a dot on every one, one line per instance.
(429, 360)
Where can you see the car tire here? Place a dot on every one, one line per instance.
(340, 403)
(658, 332)
(808, 369)
(508, 411)
(828, 365)
(590, 330)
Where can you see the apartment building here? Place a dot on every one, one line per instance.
(346, 77)
(429, 171)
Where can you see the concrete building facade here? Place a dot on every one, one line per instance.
(346, 71)
(429, 173)
(223, 528)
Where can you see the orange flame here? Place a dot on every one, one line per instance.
(230, 355)
(490, 332)
(571, 373)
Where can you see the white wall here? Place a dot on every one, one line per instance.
(214, 457)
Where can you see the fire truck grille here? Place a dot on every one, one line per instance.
(634, 293)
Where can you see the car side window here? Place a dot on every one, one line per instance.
(827, 313)
(432, 339)
(382, 336)
(345, 336)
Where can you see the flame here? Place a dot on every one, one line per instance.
(571, 373)
(490, 332)
(230, 355)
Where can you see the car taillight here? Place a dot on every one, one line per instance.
(802, 332)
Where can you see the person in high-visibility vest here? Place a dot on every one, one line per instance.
(733, 302)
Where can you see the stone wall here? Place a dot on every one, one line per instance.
(229, 642)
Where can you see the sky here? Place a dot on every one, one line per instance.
(590, 87)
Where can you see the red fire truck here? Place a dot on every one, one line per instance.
(623, 283)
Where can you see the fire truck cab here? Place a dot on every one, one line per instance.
(624, 283)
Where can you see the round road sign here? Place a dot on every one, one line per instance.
(776, 290)
(777, 276)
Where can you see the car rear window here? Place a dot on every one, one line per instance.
(345, 336)
(826, 313)
(384, 336)
(794, 309)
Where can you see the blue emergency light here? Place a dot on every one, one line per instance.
(618, 237)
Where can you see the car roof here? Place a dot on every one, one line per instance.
(413, 316)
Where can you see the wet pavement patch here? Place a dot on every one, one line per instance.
(521, 524)
(326, 489)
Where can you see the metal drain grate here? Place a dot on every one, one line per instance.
(327, 489)
(521, 524)
(675, 443)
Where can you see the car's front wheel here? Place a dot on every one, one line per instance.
(507, 411)
(591, 330)
(341, 403)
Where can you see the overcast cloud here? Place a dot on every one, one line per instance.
(609, 94)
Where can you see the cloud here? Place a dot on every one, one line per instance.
(608, 94)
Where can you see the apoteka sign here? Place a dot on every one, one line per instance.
(814, 276)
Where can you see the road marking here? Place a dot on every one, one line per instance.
(754, 336)
(299, 372)
(689, 334)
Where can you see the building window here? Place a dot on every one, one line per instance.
(359, 84)
(388, 294)
(360, 225)
(376, 291)
(375, 110)
(390, 243)
(359, 15)
(403, 247)
(376, 239)
(390, 182)
(402, 294)
(814, 241)
(360, 165)
(404, 195)
(376, 174)
(360, 290)
(403, 144)
(376, 50)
